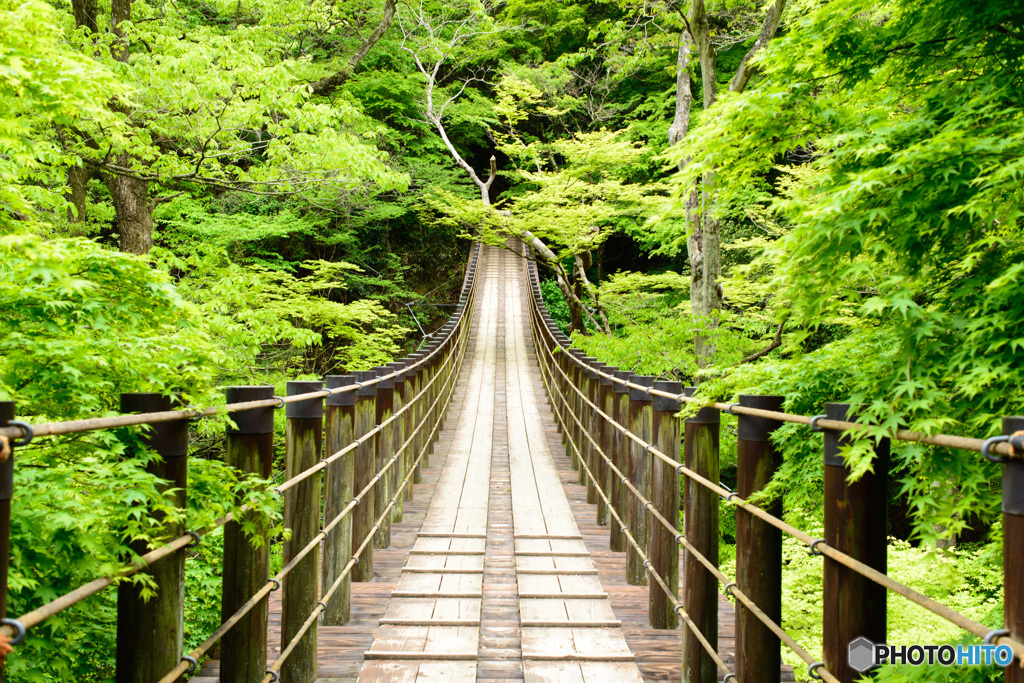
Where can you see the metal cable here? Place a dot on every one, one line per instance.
(908, 435)
(933, 606)
(311, 619)
(268, 587)
(646, 562)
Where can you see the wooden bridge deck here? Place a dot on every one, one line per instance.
(499, 570)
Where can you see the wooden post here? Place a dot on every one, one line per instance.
(414, 379)
(150, 631)
(664, 550)
(758, 546)
(583, 411)
(1013, 541)
(362, 515)
(620, 456)
(249, 449)
(603, 435)
(339, 432)
(398, 470)
(574, 373)
(408, 381)
(591, 421)
(450, 345)
(301, 589)
(6, 493)
(640, 422)
(855, 523)
(700, 527)
(383, 452)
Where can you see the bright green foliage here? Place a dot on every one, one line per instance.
(44, 85)
(86, 324)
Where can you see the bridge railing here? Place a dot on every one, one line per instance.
(378, 427)
(622, 432)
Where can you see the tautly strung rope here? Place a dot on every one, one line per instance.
(933, 606)
(275, 582)
(636, 547)
(315, 614)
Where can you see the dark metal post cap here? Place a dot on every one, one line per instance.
(255, 421)
(169, 439)
(640, 394)
(310, 408)
(347, 398)
(667, 405)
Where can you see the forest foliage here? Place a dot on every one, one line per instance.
(197, 194)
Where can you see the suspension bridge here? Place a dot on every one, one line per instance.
(499, 506)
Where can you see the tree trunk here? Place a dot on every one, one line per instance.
(78, 179)
(327, 85)
(134, 210)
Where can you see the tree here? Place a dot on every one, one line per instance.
(704, 231)
(212, 106)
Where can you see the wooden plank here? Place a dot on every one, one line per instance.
(390, 621)
(421, 656)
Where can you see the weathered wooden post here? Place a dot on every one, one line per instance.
(383, 452)
(365, 468)
(640, 420)
(301, 589)
(758, 546)
(576, 407)
(856, 524)
(1013, 541)
(664, 550)
(339, 432)
(619, 455)
(592, 423)
(414, 380)
(398, 470)
(585, 383)
(149, 631)
(408, 423)
(249, 449)
(603, 436)
(6, 494)
(700, 528)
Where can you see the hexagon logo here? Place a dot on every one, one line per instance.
(862, 655)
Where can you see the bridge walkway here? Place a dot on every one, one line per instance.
(499, 587)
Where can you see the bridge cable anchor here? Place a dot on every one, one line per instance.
(999, 460)
(812, 670)
(25, 427)
(19, 629)
(814, 424)
(814, 543)
(991, 636)
(196, 538)
(729, 408)
(192, 663)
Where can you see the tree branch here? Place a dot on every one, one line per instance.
(331, 83)
(776, 343)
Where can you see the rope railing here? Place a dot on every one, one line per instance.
(324, 598)
(631, 540)
(274, 582)
(427, 380)
(731, 498)
(377, 429)
(549, 342)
